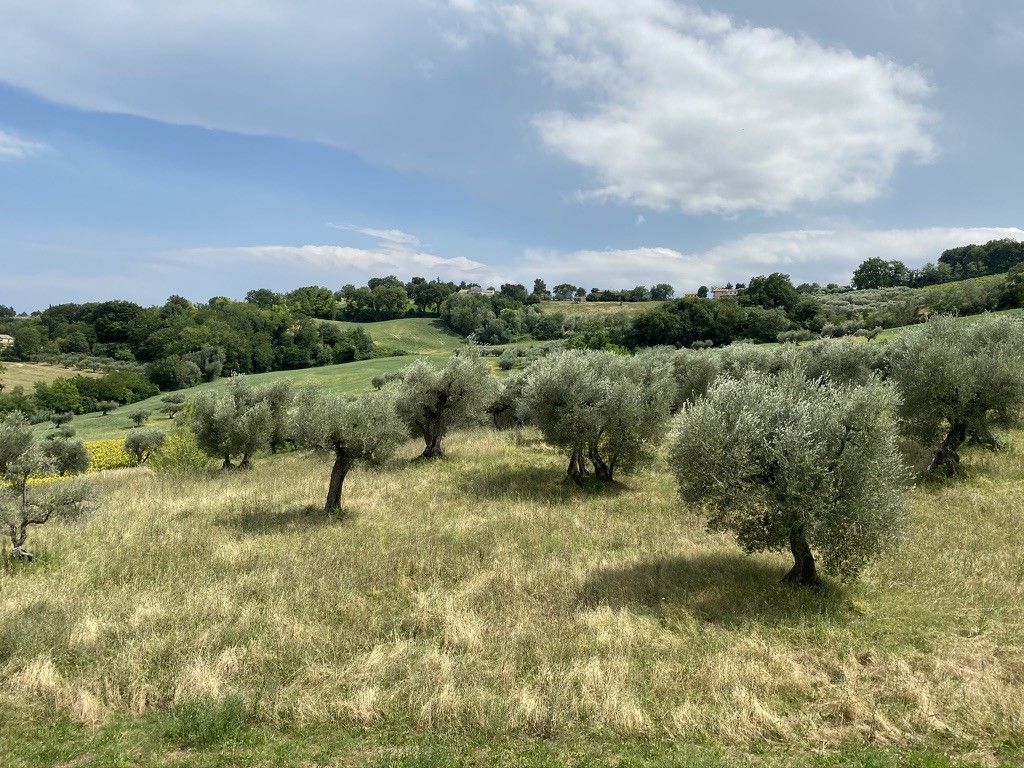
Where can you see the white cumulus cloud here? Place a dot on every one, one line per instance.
(688, 110)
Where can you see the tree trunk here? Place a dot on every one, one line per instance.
(602, 471)
(227, 463)
(335, 499)
(803, 571)
(432, 437)
(577, 470)
(245, 463)
(946, 457)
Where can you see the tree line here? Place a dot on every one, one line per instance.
(993, 258)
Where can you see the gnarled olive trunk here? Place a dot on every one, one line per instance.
(804, 571)
(432, 438)
(947, 457)
(335, 498)
(602, 469)
(577, 470)
(227, 463)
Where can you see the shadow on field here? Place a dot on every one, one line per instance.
(719, 588)
(281, 520)
(545, 484)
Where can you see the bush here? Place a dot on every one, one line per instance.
(786, 463)
(107, 454)
(180, 453)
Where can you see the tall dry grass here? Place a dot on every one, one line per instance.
(482, 593)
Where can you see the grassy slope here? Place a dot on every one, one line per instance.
(415, 335)
(348, 377)
(477, 610)
(27, 374)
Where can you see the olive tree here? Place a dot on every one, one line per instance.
(106, 406)
(959, 380)
(140, 417)
(22, 505)
(279, 397)
(364, 429)
(236, 423)
(508, 408)
(140, 444)
(600, 407)
(694, 372)
(432, 401)
(781, 461)
(840, 361)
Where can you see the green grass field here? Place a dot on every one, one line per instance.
(27, 374)
(479, 611)
(415, 335)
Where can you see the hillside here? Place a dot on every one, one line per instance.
(415, 335)
(27, 374)
(481, 612)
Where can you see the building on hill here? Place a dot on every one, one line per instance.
(6, 341)
(476, 290)
(724, 293)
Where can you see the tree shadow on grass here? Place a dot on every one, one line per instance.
(531, 483)
(286, 520)
(718, 588)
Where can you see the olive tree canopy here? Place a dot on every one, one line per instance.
(238, 423)
(786, 462)
(600, 407)
(365, 429)
(432, 401)
(22, 505)
(958, 380)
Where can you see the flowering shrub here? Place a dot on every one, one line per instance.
(107, 454)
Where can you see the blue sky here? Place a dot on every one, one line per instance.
(209, 148)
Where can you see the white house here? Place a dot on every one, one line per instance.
(6, 341)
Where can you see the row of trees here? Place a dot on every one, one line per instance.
(993, 258)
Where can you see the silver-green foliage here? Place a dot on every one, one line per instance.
(600, 407)
(237, 423)
(22, 505)
(781, 462)
(432, 401)
(140, 444)
(365, 429)
(840, 361)
(959, 380)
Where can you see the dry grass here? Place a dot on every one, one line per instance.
(481, 594)
(27, 374)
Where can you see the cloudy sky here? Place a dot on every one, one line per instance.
(184, 146)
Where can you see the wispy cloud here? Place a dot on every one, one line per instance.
(15, 147)
(388, 236)
(364, 261)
